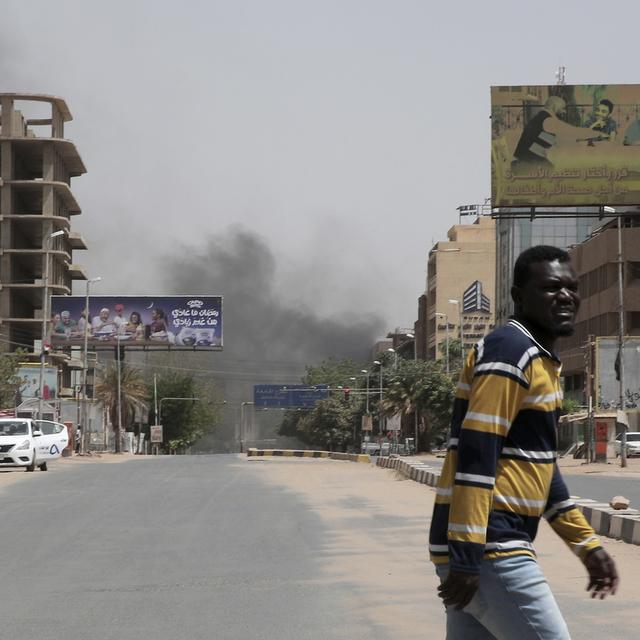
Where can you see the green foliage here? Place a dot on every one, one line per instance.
(185, 421)
(421, 386)
(9, 380)
(330, 424)
(571, 405)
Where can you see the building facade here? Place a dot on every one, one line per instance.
(460, 287)
(514, 235)
(596, 263)
(37, 206)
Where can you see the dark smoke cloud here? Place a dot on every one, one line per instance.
(260, 327)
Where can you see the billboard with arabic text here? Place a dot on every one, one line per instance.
(170, 322)
(565, 145)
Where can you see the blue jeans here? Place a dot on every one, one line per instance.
(514, 601)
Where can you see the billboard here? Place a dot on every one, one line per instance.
(29, 385)
(291, 395)
(180, 322)
(565, 145)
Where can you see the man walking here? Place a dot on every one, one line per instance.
(500, 476)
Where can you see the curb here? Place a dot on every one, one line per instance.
(303, 453)
(620, 524)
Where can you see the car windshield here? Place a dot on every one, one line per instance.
(633, 437)
(18, 428)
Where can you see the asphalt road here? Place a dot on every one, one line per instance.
(164, 548)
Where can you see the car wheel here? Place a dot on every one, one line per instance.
(32, 466)
(43, 466)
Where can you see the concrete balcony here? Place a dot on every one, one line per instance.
(77, 272)
(76, 240)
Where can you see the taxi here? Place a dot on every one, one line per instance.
(29, 443)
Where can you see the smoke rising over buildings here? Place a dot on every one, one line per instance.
(266, 337)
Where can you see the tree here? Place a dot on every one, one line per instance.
(329, 424)
(185, 421)
(324, 424)
(421, 386)
(133, 395)
(9, 380)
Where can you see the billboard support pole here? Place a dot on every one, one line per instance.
(623, 439)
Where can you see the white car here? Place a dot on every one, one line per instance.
(633, 443)
(31, 443)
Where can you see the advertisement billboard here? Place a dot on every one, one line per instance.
(565, 145)
(29, 386)
(176, 322)
(291, 395)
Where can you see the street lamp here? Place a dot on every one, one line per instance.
(367, 396)
(459, 305)
(446, 330)
(45, 314)
(379, 363)
(395, 359)
(85, 364)
(623, 438)
(415, 411)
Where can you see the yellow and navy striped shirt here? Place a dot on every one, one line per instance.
(500, 474)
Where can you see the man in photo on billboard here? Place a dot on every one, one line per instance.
(500, 474)
(542, 134)
(602, 122)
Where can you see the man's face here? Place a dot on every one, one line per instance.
(549, 299)
(602, 112)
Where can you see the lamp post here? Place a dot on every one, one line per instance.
(242, 431)
(446, 334)
(379, 363)
(85, 363)
(365, 371)
(45, 315)
(623, 438)
(395, 359)
(459, 305)
(415, 411)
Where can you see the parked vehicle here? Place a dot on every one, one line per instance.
(31, 443)
(633, 443)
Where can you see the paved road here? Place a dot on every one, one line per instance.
(232, 548)
(166, 548)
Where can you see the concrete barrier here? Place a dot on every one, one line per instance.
(304, 453)
(623, 524)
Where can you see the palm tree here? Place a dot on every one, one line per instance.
(423, 387)
(133, 395)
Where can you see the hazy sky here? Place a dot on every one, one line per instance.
(341, 134)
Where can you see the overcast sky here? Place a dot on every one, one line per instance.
(341, 134)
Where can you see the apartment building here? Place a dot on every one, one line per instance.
(460, 294)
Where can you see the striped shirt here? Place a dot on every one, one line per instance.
(500, 474)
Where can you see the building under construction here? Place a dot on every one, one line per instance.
(37, 206)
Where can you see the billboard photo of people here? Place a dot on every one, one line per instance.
(565, 145)
(182, 322)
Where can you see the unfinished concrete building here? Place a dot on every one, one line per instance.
(36, 201)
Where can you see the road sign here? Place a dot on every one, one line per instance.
(288, 395)
(156, 433)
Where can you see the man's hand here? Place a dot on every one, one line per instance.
(603, 577)
(459, 588)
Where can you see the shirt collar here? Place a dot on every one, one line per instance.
(521, 327)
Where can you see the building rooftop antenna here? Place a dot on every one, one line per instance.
(560, 75)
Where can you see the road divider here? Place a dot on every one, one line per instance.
(303, 453)
(621, 524)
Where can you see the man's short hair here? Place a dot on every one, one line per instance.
(608, 104)
(532, 255)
